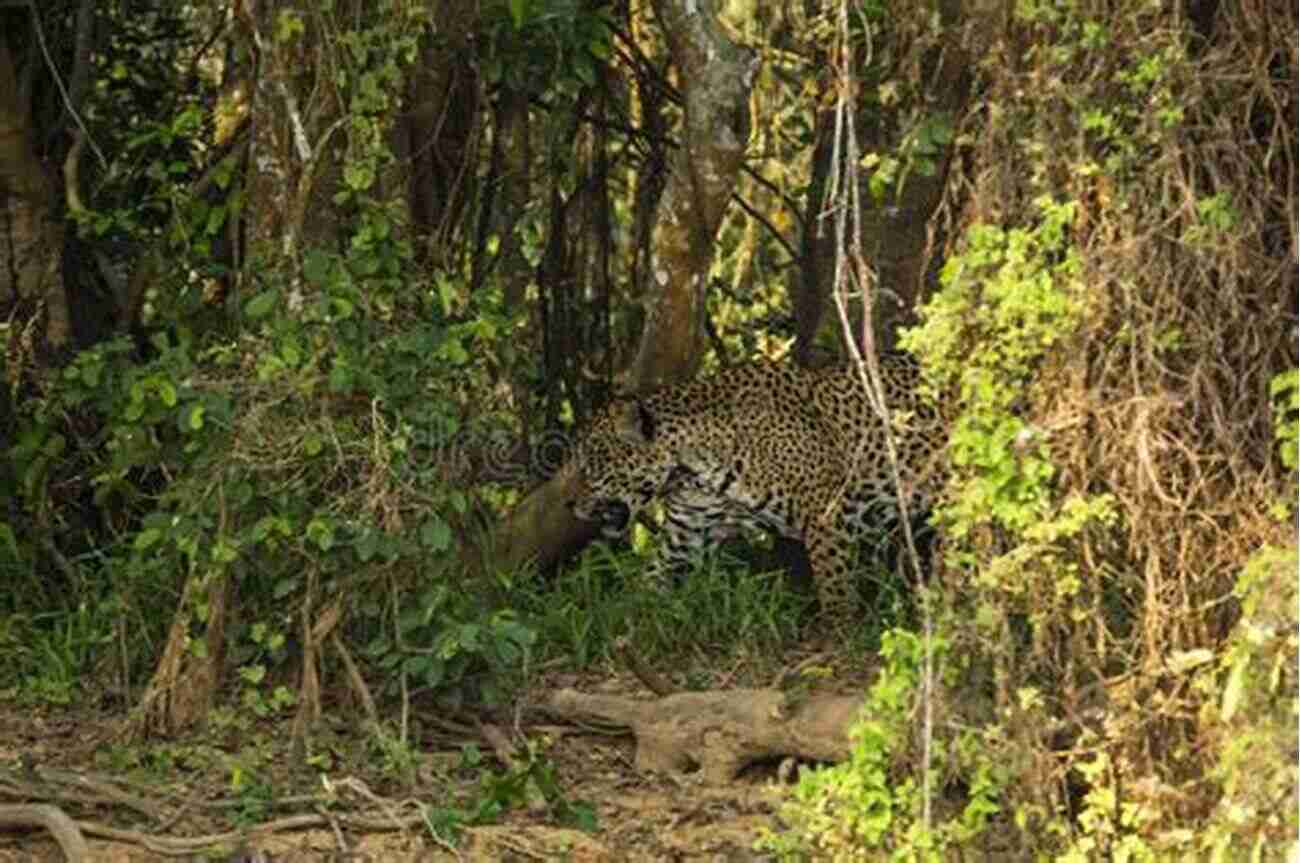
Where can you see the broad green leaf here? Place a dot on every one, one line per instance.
(316, 266)
(260, 305)
(358, 177)
(435, 534)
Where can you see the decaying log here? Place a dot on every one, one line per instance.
(719, 733)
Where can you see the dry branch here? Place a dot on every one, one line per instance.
(720, 733)
(73, 789)
(53, 819)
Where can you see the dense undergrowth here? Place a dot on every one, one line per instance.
(1119, 566)
(288, 497)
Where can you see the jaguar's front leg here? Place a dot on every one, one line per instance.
(682, 544)
(831, 559)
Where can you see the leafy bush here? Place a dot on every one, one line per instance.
(871, 806)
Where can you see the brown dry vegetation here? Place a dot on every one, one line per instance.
(1133, 678)
(1160, 400)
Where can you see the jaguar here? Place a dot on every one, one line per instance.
(768, 445)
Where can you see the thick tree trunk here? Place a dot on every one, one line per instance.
(715, 75)
(438, 133)
(35, 242)
(895, 230)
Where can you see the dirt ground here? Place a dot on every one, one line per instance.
(637, 817)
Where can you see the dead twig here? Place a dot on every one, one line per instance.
(648, 677)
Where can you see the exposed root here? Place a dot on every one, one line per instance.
(52, 818)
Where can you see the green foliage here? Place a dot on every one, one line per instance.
(1007, 299)
(47, 654)
(443, 640)
(870, 807)
(307, 446)
(719, 603)
(920, 151)
(1285, 390)
(1253, 713)
(531, 782)
(546, 41)
(1010, 300)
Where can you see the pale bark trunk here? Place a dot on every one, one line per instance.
(715, 75)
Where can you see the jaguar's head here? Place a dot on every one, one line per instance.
(618, 466)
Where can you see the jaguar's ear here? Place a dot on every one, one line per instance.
(636, 425)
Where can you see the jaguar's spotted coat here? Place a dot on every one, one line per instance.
(793, 451)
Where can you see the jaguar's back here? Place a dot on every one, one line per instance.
(768, 445)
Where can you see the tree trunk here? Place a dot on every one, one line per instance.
(439, 133)
(714, 75)
(35, 242)
(895, 230)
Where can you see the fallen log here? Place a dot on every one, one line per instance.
(720, 733)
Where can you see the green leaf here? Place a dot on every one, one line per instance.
(1288, 380)
(340, 308)
(316, 266)
(367, 546)
(216, 218)
(195, 418)
(411, 619)
(582, 816)
(454, 352)
(312, 444)
(260, 305)
(1233, 688)
(414, 665)
(147, 538)
(54, 445)
(225, 551)
(321, 532)
(518, 9)
(10, 539)
(358, 177)
(435, 534)
(340, 378)
(583, 68)
(167, 393)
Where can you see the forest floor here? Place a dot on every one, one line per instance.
(239, 775)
